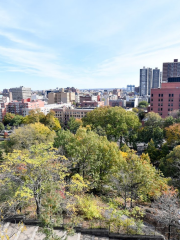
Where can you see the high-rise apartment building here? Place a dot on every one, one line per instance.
(20, 93)
(145, 81)
(171, 71)
(156, 78)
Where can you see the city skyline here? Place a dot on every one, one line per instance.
(85, 44)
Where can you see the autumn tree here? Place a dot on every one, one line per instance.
(51, 122)
(31, 171)
(137, 178)
(173, 134)
(8, 118)
(34, 116)
(32, 134)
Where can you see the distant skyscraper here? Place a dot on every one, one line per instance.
(171, 71)
(145, 81)
(156, 78)
(130, 88)
(20, 93)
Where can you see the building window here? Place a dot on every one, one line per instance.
(172, 95)
(161, 95)
(152, 95)
(161, 104)
(171, 100)
(152, 99)
(158, 104)
(151, 104)
(169, 109)
(169, 95)
(159, 100)
(151, 109)
(158, 109)
(171, 104)
(161, 109)
(162, 100)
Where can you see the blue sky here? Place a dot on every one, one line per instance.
(85, 43)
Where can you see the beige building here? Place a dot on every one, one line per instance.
(61, 97)
(63, 114)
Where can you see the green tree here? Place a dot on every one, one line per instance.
(34, 116)
(143, 104)
(1, 126)
(153, 153)
(170, 166)
(168, 121)
(145, 134)
(17, 120)
(100, 131)
(73, 124)
(33, 134)
(153, 120)
(116, 122)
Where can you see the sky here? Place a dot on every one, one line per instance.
(46, 44)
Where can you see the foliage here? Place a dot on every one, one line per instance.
(153, 120)
(7, 118)
(143, 104)
(33, 134)
(170, 166)
(136, 178)
(168, 121)
(34, 116)
(100, 131)
(153, 153)
(73, 124)
(135, 110)
(17, 120)
(31, 172)
(51, 122)
(145, 134)
(173, 134)
(88, 207)
(116, 122)
(1, 126)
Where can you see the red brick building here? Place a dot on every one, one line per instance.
(165, 99)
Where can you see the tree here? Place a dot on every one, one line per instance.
(1, 126)
(173, 134)
(51, 122)
(168, 121)
(170, 166)
(137, 178)
(34, 116)
(100, 131)
(8, 118)
(153, 153)
(73, 124)
(143, 104)
(33, 134)
(92, 156)
(17, 120)
(167, 209)
(153, 120)
(32, 171)
(116, 122)
(145, 134)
